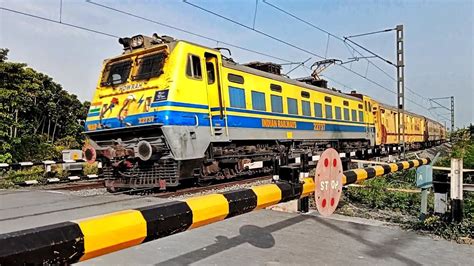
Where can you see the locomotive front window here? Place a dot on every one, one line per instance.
(116, 73)
(150, 66)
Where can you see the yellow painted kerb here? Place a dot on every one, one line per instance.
(208, 209)
(267, 195)
(111, 232)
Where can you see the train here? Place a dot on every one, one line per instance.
(167, 112)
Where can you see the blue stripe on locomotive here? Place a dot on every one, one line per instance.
(181, 118)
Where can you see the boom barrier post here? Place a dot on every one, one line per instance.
(79, 240)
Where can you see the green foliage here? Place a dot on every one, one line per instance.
(90, 169)
(376, 196)
(35, 114)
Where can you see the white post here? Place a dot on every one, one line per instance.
(456, 189)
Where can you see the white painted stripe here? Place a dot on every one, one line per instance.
(53, 180)
(26, 163)
(69, 161)
(342, 155)
(254, 165)
(3, 165)
(315, 158)
(353, 153)
(297, 160)
(99, 164)
(92, 176)
(49, 162)
(75, 177)
(31, 182)
(369, 151)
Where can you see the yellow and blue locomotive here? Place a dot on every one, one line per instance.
(166, 111)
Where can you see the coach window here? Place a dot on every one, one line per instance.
(235, 78)
(338, 113)
(361, 116)
(318, 110)
(258, 101)
(193, 67)
(328, 111)
(306, 106)
(237, 97)
(354, 115)
(292, 106)
(346, 114)
(277, 104)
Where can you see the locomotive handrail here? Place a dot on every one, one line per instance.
(79, 240)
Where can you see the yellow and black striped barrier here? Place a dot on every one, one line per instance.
(74, 241)
(357, 175)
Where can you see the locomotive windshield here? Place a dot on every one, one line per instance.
(116, 73)
(150, 66)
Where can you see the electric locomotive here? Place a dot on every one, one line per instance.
(168, 111)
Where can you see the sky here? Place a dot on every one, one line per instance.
(438, 41)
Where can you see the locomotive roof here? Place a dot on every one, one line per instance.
(236, 66)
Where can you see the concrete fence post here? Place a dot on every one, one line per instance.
(456, 189)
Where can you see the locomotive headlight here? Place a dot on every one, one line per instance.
(137, 41)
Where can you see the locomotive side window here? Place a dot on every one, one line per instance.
(354, 115)
(306, 106)
(193, 67)
(328, 111)
(258, 101)
(327, 99)
(235, 78)
(116, 73)
(237, 97)
(292, 106)
(277, 104)
(150, 66)
(318, 110)
(338, 113)
(346, 114)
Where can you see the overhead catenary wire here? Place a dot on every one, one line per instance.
(342, 40)
(59, 22)
(187, 31)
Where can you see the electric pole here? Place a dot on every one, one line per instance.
(400, 88)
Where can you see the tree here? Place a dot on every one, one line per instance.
(35, 112)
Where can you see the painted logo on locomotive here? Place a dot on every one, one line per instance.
(161, 95)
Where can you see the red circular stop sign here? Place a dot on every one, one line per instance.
(328, 182)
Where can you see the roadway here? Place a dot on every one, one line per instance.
(260, 238)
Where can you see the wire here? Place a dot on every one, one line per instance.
(255, 30)
(342, 40)
(58, 22)
(187, 31)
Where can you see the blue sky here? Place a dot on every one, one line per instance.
(439, 40)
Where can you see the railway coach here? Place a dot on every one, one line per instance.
(168, 111)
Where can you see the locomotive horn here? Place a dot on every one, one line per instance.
(89, 153)
(143, 150)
